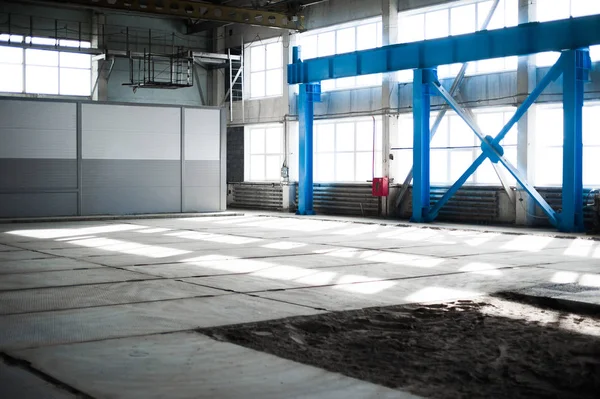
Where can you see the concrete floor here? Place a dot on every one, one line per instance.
(108, 308)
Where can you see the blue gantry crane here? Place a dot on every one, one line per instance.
(571, 37)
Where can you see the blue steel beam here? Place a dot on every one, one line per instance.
(524, 39)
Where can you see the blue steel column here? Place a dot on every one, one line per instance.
(309, 93)
(576, 64)
(421, 143)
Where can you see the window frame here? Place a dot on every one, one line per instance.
(265, 71)
(330, 85)
(248, 152)
(549, 58)
(446, 150)
(25, 65)
(475, 68)
(356, 153)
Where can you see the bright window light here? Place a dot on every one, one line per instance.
(155, 230)
(319, 278)
(58, 233)
(41, 79)
(528, 243)
(40, 71)
(354, 231)
(343, 149)
(359, 35)
(435, 294)
(285, 272)
(283, 245)
(481, 239)
(368, 288)
(564, 277)
(129, 248)
(265, 151)
(458, 18)
(208, 258)
(485, 269)
(590, 280)
(221, 238)
(74, 238)
(580, 248)
(266, 73)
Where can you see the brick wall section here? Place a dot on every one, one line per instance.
(235, 154)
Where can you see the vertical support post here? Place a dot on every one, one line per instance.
(389, 123)
(79, 144)
(525, 206)
(182, 181)
(421, 146)
(576, 65)
(309, 93)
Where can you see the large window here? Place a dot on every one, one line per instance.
(343, 150)
(455, 147)
(266, 69)
(44, 71)
(457, 19)
(343, 39)
(264, 152)
(549, 145)
(551, 10)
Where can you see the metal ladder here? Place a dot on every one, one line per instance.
(235, 93)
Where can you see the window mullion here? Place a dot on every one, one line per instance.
(24, 64)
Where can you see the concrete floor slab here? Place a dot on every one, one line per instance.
(576, 265)
(79, 325)
(288, 277)
(42, 265)
(121, 260)
(293, 266)
(354, 295)
(219, 267)
(4, 248)
(16, 382)
(40, 300)
(66, 278)
(244, 283)
(22, 255)
(190, 365)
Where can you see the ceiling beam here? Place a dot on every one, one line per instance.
(525, 39)
(195, 10)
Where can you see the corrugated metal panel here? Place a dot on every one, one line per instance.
(116, 186)
(130, 132)
(35, 173)
(265, 196)
(201, 181)
(553, 195)
(472, 204)
(38, 166)
(345, 199)
(30, 129)
(202, 134)
(38, 204)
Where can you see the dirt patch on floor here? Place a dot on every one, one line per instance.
(493, 348)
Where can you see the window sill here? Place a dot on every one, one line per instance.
(45, 96)
(263, 98)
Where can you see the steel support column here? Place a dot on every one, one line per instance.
(422, 143)
(492, 149)
(309, 93)
(576, 65)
